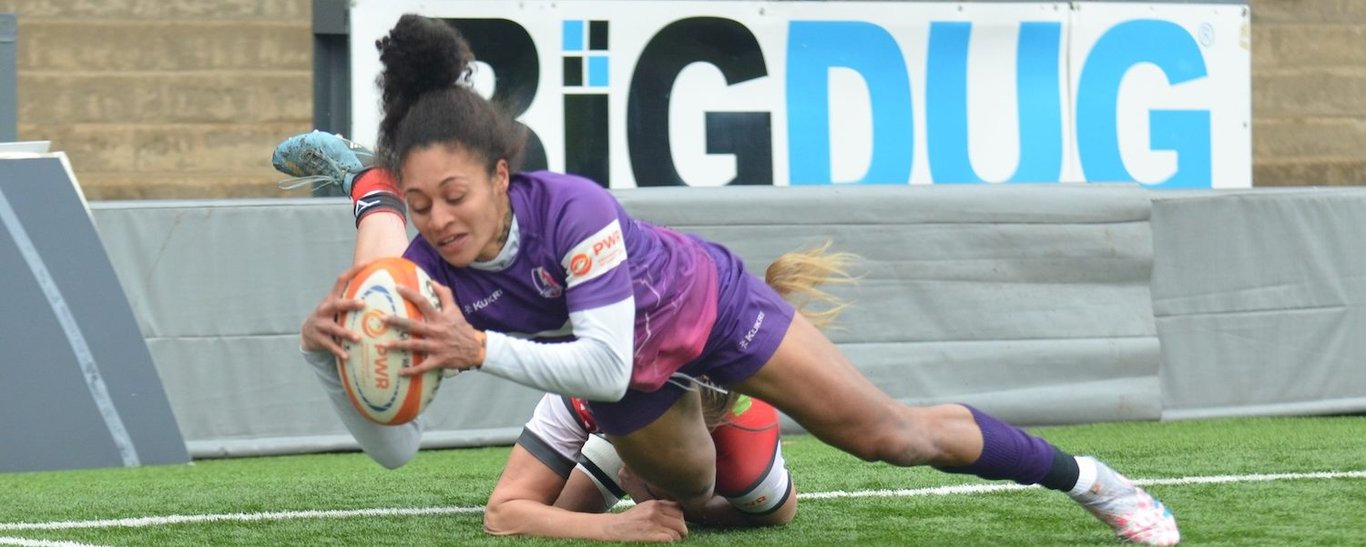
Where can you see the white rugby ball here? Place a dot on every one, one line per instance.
(370, 374)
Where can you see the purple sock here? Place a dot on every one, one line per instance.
(1010, 453)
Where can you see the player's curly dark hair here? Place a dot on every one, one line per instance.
(427, 100)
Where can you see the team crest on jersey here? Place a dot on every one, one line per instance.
(583, 414)
(545, 283)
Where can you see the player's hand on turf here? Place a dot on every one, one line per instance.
(650, 520)
(321, 331)
(443, 336)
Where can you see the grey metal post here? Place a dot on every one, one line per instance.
(331, 72)
(9, 77)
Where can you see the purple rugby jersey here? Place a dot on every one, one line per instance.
(577, 250)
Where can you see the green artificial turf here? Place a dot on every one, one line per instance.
(1313, 511)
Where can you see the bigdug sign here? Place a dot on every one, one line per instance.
(710, 93)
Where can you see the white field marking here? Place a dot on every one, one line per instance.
(139, 522)
(990, 488)
(41, 542)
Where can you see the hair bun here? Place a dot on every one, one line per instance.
(420, 55)
(426, 64)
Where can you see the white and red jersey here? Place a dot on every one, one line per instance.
(750, 470)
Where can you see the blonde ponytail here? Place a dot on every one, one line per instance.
(798, 275)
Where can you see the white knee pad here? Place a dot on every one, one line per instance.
(599, 460)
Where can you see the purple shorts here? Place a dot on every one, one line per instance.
(751, 320)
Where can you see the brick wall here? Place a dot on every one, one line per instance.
(1308, 92)
(165, 98)
(186, 98)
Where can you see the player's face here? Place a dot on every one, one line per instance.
(456, 204)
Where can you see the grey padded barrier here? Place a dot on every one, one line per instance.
(1260, 298)
(220, 289)
(1044, 304)
(1029, 301)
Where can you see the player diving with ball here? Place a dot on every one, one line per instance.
(630, 317)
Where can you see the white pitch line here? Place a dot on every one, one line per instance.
(24, 542)
(139, 522)
(990, 488)
(909, 493)
(1218, 479)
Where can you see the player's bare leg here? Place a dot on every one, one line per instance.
(813, 382)
(809, 379)
(675, 454)
(380, 236)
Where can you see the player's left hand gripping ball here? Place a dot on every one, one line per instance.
(371, 373)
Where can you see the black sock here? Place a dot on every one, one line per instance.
(1062, 476)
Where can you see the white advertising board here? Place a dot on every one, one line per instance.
(710, 93)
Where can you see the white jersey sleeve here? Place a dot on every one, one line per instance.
(390, 445)
(596, 366)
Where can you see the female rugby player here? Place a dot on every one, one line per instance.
(576, 297)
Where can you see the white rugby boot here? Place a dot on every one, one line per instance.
(1135, 516)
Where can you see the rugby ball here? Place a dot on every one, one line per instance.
(370, 373)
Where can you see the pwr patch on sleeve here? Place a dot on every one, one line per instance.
(596, 255)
